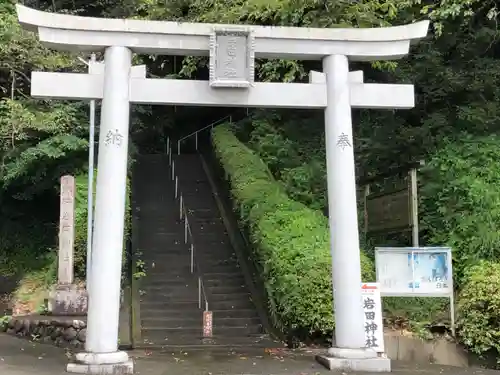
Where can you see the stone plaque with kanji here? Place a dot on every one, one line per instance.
(231, 58)
(66, 230)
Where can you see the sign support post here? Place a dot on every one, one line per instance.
(416, 272)
(414, 207)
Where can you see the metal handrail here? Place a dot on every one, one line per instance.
(195, 133)
(188, 234)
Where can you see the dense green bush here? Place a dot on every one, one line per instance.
(291, 241)
(461, 200)
(479, 308)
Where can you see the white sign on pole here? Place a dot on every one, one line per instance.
(372, 312)
(416, 272)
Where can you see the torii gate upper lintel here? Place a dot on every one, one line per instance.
(232, 50)
(75, 33)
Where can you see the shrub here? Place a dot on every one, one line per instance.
(479, 307)
(291, 241)
(461, 200)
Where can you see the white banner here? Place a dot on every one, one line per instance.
(372, 312)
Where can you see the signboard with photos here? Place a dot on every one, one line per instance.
(408, 271)
(416, 272)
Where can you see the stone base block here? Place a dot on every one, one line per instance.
(68, 300)
(125, 368)
(354, 360)
(102, 358)
(351, 364)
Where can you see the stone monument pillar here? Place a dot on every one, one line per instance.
(66, 298)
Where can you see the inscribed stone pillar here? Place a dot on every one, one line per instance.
(66, 231)
(66, 298)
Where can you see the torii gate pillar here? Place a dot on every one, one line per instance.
(111, 184)
(342, 205)
(232, 49)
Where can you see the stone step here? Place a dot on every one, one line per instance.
(197, 322)
(234, 304)
(197, 331)
(157, 283)
(162, 280)
(196, 313)
(148, 300)
(169, 292)
(191, 302)
(226, 289)
(169, 300)
(219, 276)
(232, 282)
(156, 305)
(156, 287)
(220, 258)
(208, 268)
(157, 273)
(164, 242)
(165, 255)
(241, 296)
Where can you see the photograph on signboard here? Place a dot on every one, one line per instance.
(413, 271)
(430, 270)
(393, 272)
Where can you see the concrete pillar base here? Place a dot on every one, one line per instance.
(354, 360)
(116, 363)
(126, 368)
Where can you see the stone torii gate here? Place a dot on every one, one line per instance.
(232, 50)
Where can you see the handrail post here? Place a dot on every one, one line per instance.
(206, 305)
(173, 170)
(192, 258)
(180, 208)
(168, 144)
(185, 229)
(196, 140)
(176, 187)
(170, 155)
(178, 147)
(199, 292)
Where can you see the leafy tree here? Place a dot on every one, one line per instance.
(39, 140)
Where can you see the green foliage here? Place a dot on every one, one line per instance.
(307, 13)
(288, 144)
(463, 10)
(81, 211)
(39, 140)
(4, 322)
(479, 308)
(25, 239)
(416, 314)
(291, 241)
(461, 200)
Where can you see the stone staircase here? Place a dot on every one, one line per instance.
(170, 314)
